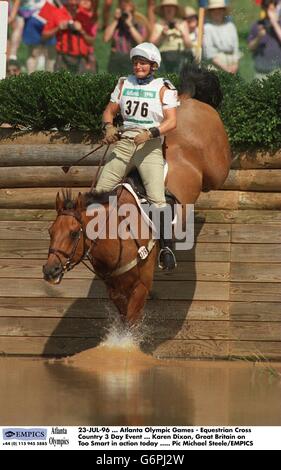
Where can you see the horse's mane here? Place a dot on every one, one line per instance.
(201, 84)
(68, 201)
(98, 198)
(89, 198)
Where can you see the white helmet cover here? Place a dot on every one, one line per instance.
(148, 51)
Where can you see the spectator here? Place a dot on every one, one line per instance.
(107, 4)
(191, 18)
(265, 40)
(41, 53)
(220, 41)
(13, 68)
(19, 14)
(171, 35)
(74, 37)
(125, 32)
(88, 10)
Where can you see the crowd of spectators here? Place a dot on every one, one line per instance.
(61, 34)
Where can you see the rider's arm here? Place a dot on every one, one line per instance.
(110, 112)
(169, 102)
(170, 121)
(113, 106)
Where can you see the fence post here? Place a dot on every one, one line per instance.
(3, 37)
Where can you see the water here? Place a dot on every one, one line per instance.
(112, 385)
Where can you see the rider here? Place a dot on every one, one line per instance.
(148, 108)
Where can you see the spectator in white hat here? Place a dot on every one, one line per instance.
(171, 35)
(220, 41)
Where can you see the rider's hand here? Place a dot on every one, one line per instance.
(142, 137)
(111, 134)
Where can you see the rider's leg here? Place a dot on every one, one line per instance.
(150, 164)
(119, 164)
(162, 217)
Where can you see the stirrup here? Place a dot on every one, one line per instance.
(170, 262)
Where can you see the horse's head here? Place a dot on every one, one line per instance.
(67, 245)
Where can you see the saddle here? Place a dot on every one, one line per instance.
(135, 181)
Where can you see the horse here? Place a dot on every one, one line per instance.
(199, 157)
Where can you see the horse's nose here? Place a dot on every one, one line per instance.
(51, 271)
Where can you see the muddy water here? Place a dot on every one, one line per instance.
(122, 386)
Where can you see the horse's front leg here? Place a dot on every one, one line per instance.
(136, 303)
(130, 305)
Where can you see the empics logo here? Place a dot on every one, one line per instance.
(23, 434)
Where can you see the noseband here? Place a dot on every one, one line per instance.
(69, 264)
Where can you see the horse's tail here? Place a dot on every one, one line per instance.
(201, 84)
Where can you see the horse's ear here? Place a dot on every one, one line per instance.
(59, 203)
(79, 203)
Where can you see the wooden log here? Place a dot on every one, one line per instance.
(239, 200)
(255, 292)
(255, 272)
(255, 331)
(11, 136)
(256, 253)
(257, 159)
(182, 349)
(200, 271)
(255, 200)
(155, 310)
(57, 308)
(38, 230)
(253, 180)
(215, 330)
(93, 328)
(30, 198)
(27, 214)
(251, 233)
(38, 249)
(244, 216)
(217, 233)
(34, 177)
(33, 346)
(167, 329)
(68, 327)
(255, 350)
(86, 288)
(49, 155)
(66, 346)
(218, 200)
(36, 198)
(255, 311)
(201, 216)
(24, 230)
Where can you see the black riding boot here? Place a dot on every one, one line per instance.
(166, 258)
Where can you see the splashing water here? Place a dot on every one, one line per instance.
(123, 336)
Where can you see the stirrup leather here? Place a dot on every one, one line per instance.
(162, 251)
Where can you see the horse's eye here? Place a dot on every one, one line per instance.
(74, 235)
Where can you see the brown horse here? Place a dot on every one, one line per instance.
(199, 159)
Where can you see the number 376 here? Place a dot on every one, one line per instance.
(133, 106)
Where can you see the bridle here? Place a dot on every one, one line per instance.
(69, 264)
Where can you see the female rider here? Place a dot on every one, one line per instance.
(148, 108)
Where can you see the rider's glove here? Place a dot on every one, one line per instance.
(142, 137)
(110, 134)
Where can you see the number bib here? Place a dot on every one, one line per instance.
(140, 104)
